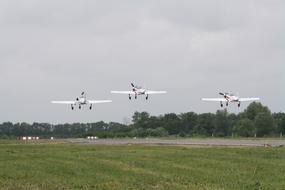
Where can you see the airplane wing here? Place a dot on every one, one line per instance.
(63, 102)
(99, 101)
(248, 99)
(215, 99)
(122, 92)
(155, 92)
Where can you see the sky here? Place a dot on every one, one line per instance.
(54, 50)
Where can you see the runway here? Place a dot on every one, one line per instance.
(209, 142)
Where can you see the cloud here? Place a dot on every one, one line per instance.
(56, 49)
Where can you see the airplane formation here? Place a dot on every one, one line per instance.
(138, 91)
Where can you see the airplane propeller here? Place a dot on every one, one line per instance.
(134, 87)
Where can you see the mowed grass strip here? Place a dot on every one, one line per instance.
(82, 166)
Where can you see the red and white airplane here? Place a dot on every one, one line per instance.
(137, 90)
(229, 97)
(81, 101)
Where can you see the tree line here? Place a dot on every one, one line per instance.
(257, 120)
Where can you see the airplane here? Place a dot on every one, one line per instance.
(137, 90)
(81, 101)
(229, 97)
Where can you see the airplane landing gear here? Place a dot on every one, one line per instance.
(72, 108)
(130, 97)
(146, 97)
(227, 104)
(79, 107)
(90, 107)
(239, 104)
(136, 96)
(222, 104)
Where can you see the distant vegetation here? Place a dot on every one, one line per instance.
(256, 120)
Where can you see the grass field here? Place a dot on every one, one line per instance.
(60, 165)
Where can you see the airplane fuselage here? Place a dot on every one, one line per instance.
(82, 101)
(139, 91)
(231, 98)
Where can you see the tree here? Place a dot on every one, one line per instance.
(161, 132)
(188, 121)
(264, 124)
(232, 120)
(205, 124)
(141, 120)
(280, 122)
(158, 132)
(255, 119)
(281, 127)
(221, 123)
(138, 132)
(155, 122)
(244, 128)
(262, 117)
(254, 109)
(172, 123)
(7, 129)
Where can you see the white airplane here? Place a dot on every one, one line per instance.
(81, 101)
(229, 97)
(137, 90)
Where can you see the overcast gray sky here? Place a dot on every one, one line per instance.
(53, 50)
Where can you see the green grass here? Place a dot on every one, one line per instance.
(44, 165)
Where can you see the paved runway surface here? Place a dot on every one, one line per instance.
(211, 142)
